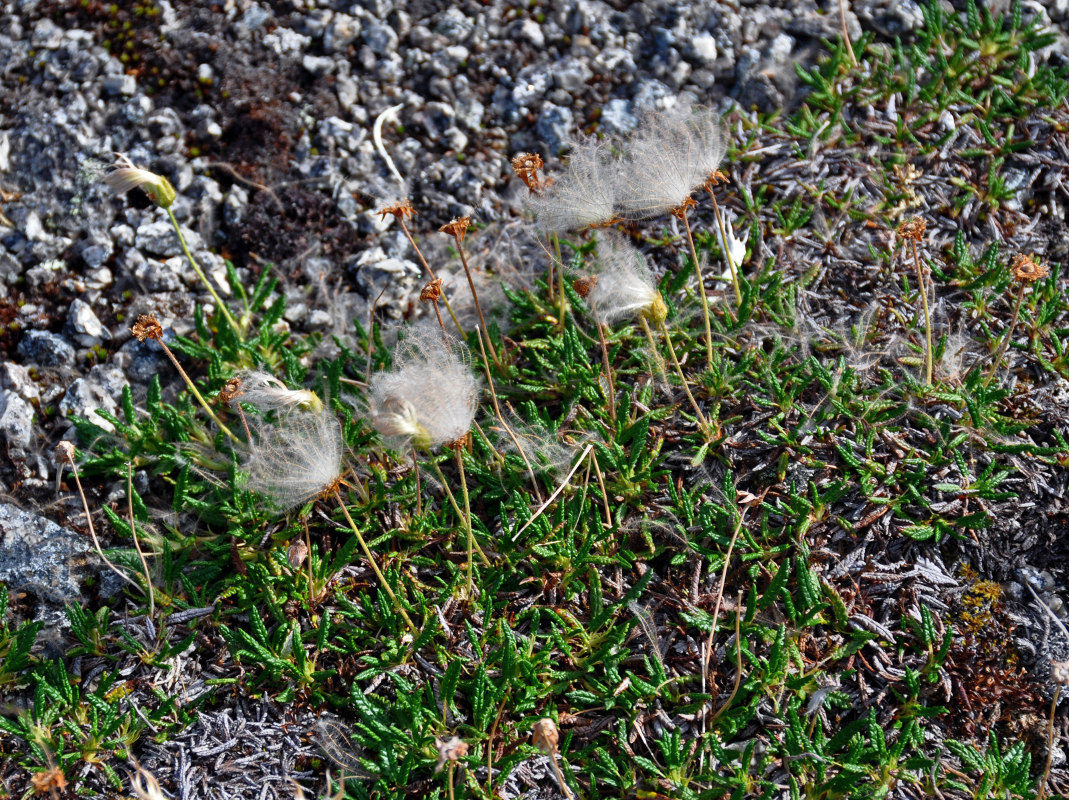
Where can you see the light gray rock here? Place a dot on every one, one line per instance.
(16, 378)
(120, 85)
(101, 388)
(318, 65)
(617, 117)
(380, 37)
(341, 32)
(531, 31)
(45, 349)
(554, 127)
(159, 239)
(16, 424)
(83, 325)
(38, 555)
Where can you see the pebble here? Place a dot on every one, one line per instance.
(16, 423)
(45, 349)
(555, 126)
(83, 326)
(100, 389)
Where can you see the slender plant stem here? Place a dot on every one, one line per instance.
(426, 266)
(374, 566)
(137, 544)
(738, 660)
(450, 777)
(683, 378)
(467, 521)
(560, 777)
(504, 424)
(456, 508)
(657, 359)
(196, 393)
(611, 394)
(928, 353)
(204, 278)
(1006, 339)
(701, 288)
(846, 33)
(1042, 793)
(419, 484)
(308, 545)
(92, 529)
(475, 297)
(727, 250)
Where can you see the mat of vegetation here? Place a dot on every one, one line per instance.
(784, 532)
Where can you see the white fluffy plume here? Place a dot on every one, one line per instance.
(429, 397)
(294, 454)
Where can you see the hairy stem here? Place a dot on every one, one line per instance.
(701, 288)
(427, 267)
(137, 544)
(196, 393)
(727, 251)
(1009, 335)
(374, 566)
(478, 305)
(204, 278)
(928, 350)
(702, 421)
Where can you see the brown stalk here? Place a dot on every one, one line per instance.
(137, 544)
(457, 229)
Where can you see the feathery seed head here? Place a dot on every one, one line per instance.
(625, 286)
(64, 454)
(672, 154)
(583, 196)
(124, 176)
(295, 450)
(268, 393)
(429, 398)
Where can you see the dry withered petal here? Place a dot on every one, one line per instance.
(913, 229)
(544, 736)
(457, 228)
(1027, 270)
(432, 292)
(231, 389)
(399, 210)
(49, 782)
(452, 750)
(64, 453)
(584, 286)
(680, 211)
(147, 327)
(526, 166)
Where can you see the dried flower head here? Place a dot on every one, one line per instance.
(64, 453)
(672, 154)
(584, 286)
(545, 736)
(429, 398)
(583, 196)
(50, 781)
(432, 292)
(295, 451)
(526, 166)
(400, 210)
(147, 327)
(124, 176)
(625, 286)
(231, 389)
(457, 228)
(1026, 269)
(449, 750)
(268, 393)
(912, 229)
